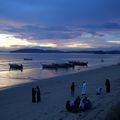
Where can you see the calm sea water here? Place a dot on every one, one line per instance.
(33, 69)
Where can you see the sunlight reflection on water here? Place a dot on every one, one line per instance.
(33, 69)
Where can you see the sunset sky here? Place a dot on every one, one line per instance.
(59, 24)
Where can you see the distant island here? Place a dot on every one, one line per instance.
(31, 50)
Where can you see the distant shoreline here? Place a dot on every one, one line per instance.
(59, 51)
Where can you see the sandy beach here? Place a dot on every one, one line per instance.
(16, 104)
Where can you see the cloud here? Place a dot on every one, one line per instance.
(61, 12)
(61, 21)
(37, 32)
(115, 42)
(111, 26)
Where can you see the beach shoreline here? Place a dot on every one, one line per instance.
(16, 101)
(62, 75)
(33, 69)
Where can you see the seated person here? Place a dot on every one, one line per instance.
(72, 104)
(99, 91)
(68, 107)
(81, 105)
(76, 104)
(87, 103)
(78, 100)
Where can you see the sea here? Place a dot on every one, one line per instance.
(33, 71)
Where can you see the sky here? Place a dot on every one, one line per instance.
(60, 24)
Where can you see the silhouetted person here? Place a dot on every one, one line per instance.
(21, 67)
(72, 89)
(87, 103)
(68, 107)
(77, 101)
(38, 94)
(33, 95)
(107, 84)
(76, 104)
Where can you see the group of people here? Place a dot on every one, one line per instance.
(83, 104)
(83, 89)
(36, 95)
(98, 91)
(79, 104)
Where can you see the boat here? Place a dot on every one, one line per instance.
(27, 58)
(14, 66)
(57, 66)
(49, 66)
(78, 63)
(65, 65)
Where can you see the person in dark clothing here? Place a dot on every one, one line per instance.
(107, 84)
(87, 103)
(68, 107)
(77, 100)
(38, 94)
(33, 95)
(21, 67)
(76, 104)
(72, 89)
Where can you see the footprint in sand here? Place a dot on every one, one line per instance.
(60, 119)
(61, 111)
(46, 93)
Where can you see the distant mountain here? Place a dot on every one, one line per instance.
(30, 50)
(108, 52)
(97, 52)
(115, 52)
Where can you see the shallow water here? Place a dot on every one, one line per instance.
(33, 68)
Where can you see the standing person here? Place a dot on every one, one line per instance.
(84, 88)
(38, 94)
(107, 84)
(72, 89)
(33, 95)
(21, 67)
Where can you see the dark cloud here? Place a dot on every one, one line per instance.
(108, 25)
(36, 32)
(61, 12)
(111, 26)
(39, 33)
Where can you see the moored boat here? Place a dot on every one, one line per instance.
(78, 63)
(15, 66)
(57, 66)
(27, 58)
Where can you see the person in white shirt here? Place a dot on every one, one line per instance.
(84, 88)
